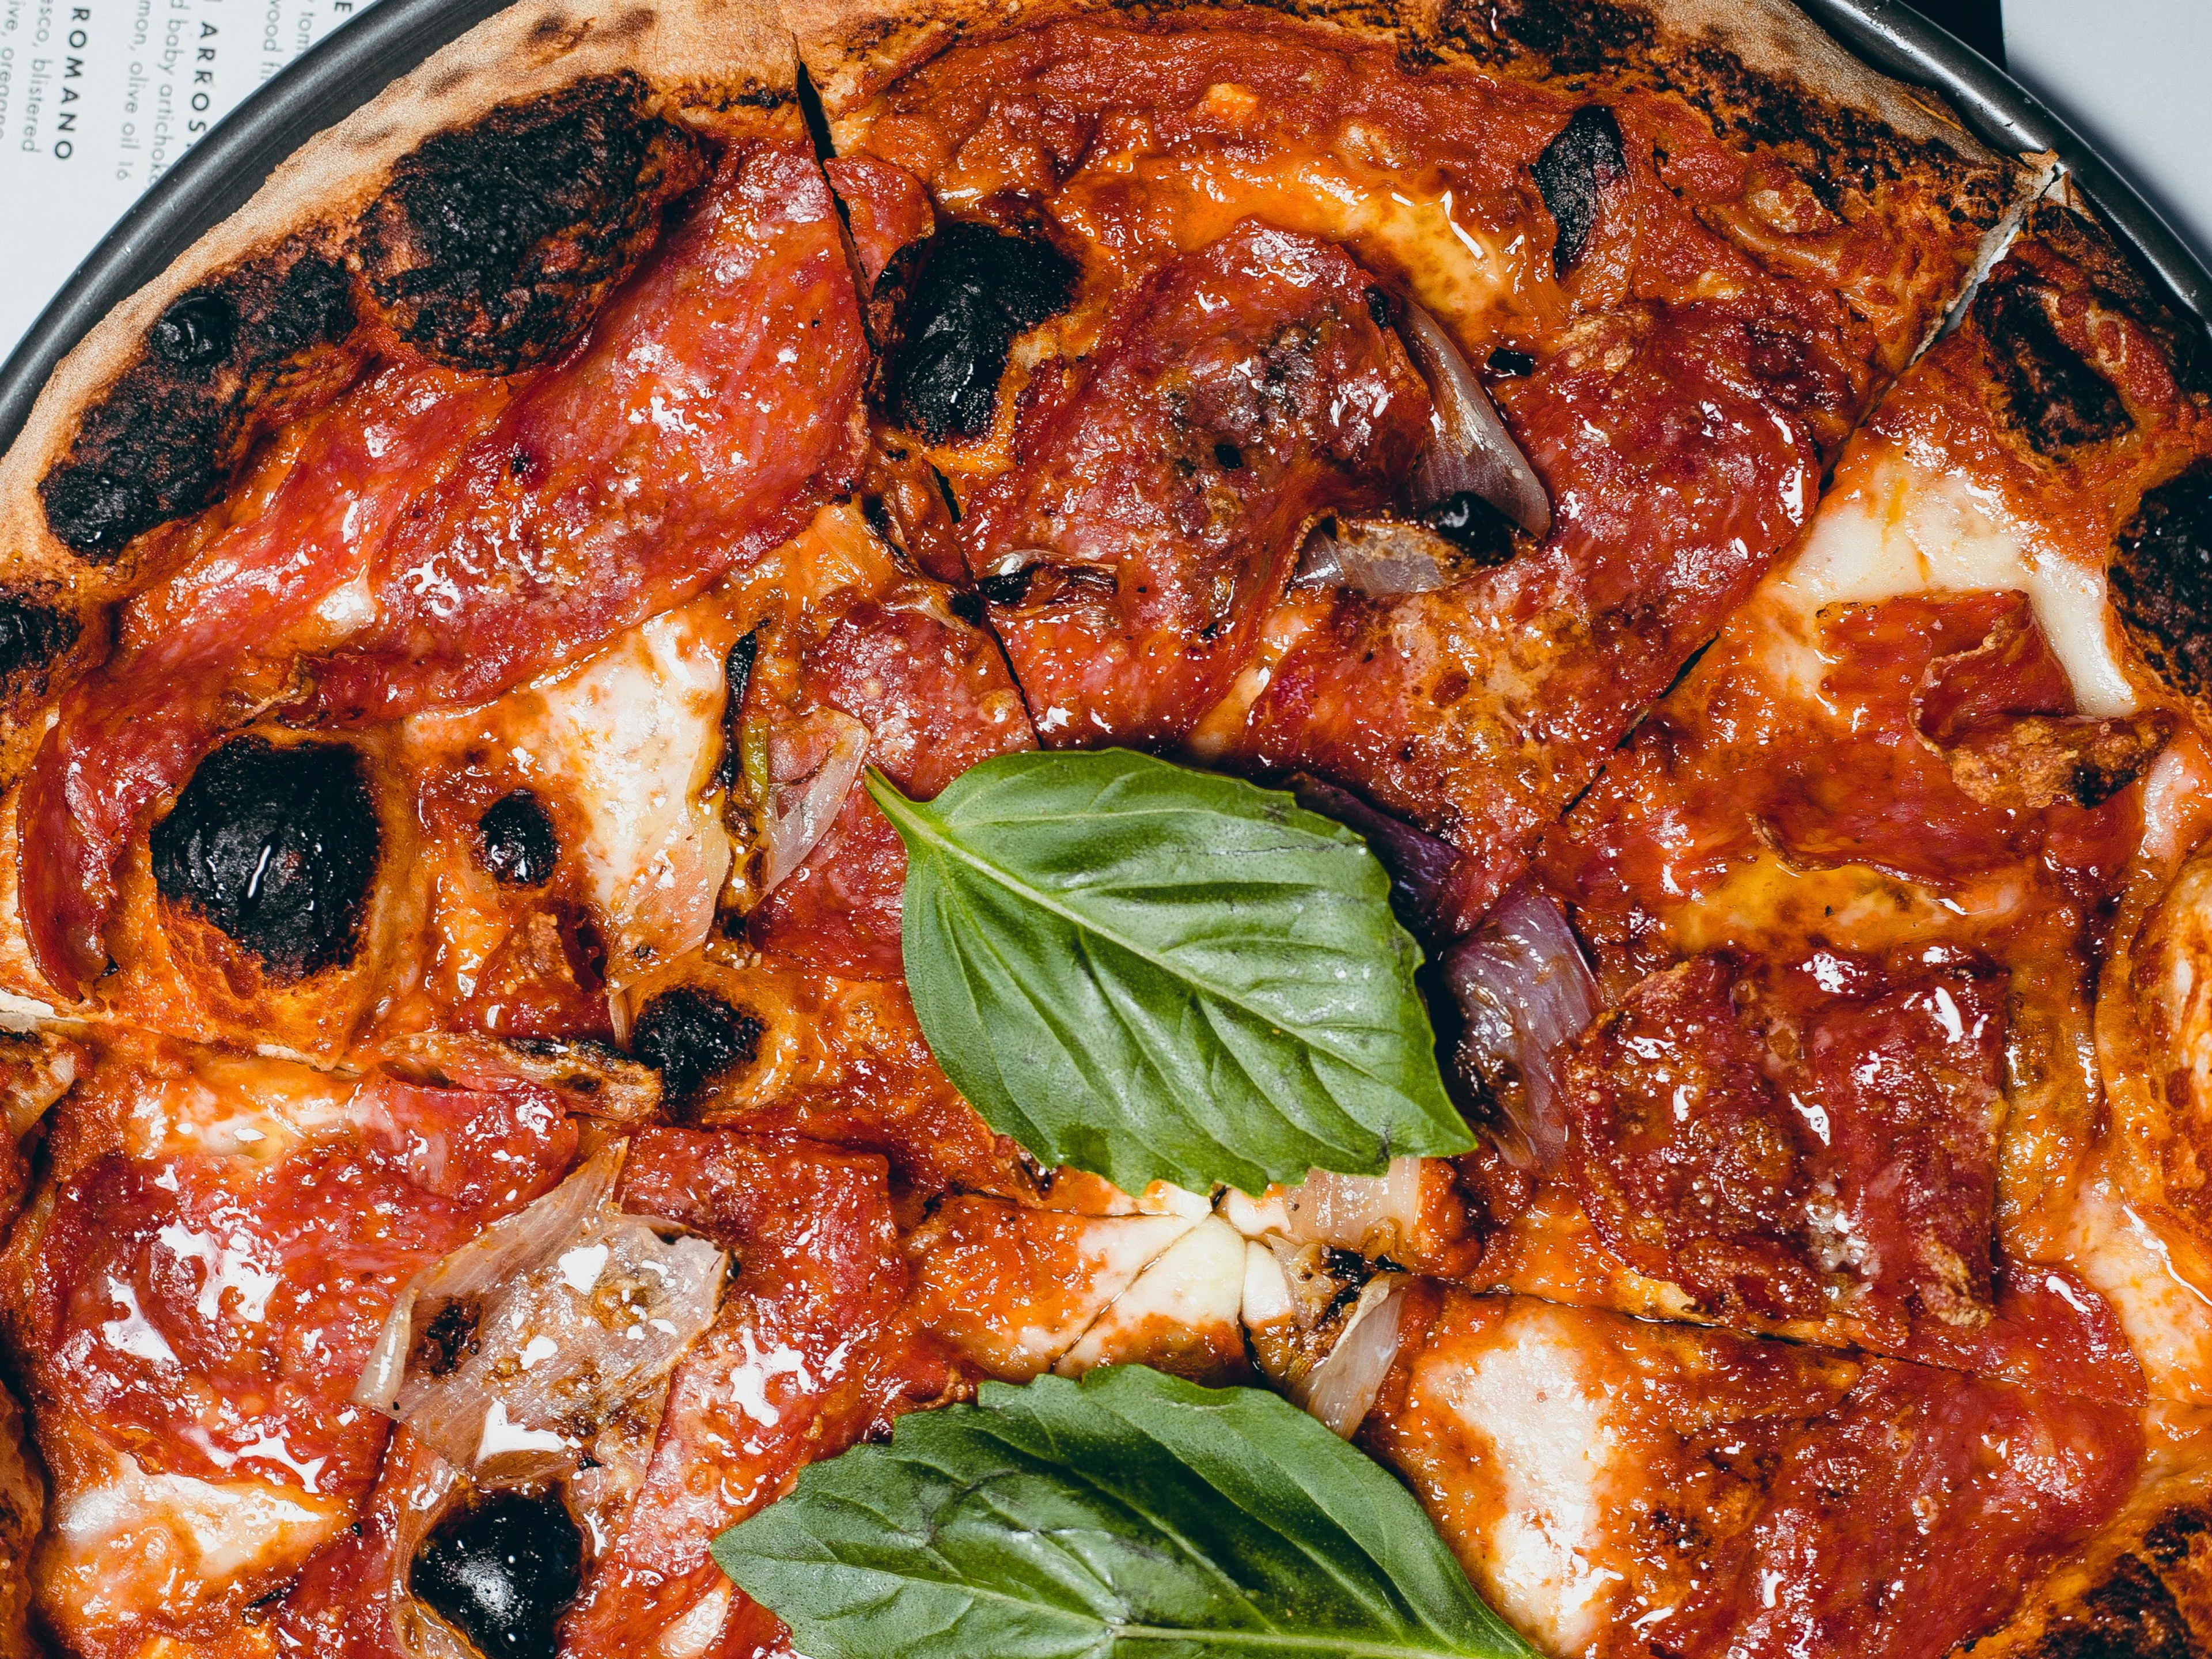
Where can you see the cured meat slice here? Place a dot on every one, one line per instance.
(1152, 513)
(1617, 1487)
(812, 1350)
(935, 698)
(213, 1252)
(1677, 471)
(434, 541)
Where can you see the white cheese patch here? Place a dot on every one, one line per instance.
(129, 1542)
(1899, 523)
(1528, 1391)
(1195, 1290)
(2166, 1317)
(631, 739)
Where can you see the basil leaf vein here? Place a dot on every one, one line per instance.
(1149, 972)
(1129, 1513)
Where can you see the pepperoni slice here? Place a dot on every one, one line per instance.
(1152, 516)
(210, 1311)
(1906, 1519)
(808, 1354)
(1478, 711)
(714, 407)
(936, 698)
(1800, 1142)
(501, 527)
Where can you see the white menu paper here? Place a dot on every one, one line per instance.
(99, 98)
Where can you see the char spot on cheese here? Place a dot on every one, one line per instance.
(494, 245)
(2058, 399)
(223, 363)
(518, 842)
(692, 1038)
(971, 290)
(2161, 580)
(1574, 173)
(502, 1571)
(277, 847)
(33, 634)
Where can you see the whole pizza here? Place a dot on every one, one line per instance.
(940, 829)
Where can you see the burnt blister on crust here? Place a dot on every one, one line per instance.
(1574, 174)
(964, 295)
(223, 363)
(2058, 399)
(2149, 1603)
(501, 1571)
(517, 841)
(493, 245)
(2161, 580)
(277, 847)
(34, 636)
(692, 1038)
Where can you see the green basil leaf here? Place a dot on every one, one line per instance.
(1130, 1513)
(1148, 972)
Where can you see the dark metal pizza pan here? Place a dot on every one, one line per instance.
(359, 59)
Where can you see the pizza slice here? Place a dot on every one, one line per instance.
(1248, 289)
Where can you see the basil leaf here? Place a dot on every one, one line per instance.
(1148, 972)
(1130, 1513)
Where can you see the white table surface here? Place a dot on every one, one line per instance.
(2135, 78)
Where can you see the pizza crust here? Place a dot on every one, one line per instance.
(698, 58)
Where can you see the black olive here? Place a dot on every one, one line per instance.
(1573, 175)
(276, 847)
(2161, 580)
(977, 288)
(1510, 365)
(691, 1037)
(518, 840)
(195, 331)
(1473, 526)
(500, 1572)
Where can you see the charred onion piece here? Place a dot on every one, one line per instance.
(1471, 451)
(1527, 994)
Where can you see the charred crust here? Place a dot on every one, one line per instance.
(34, 635)
(517, 841)
(1573, 175)
(2078, 252)
(277, 848)
(1838, 151)
(222, 364)
(2054, 397)
(493, 245)
(692, 1038)
(2161, 580)
(962, 297)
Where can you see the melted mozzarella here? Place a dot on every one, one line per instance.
(1189, 1297)
(1526, 1393)
(127, 1544)
(631, 739)
(1899, 523)
(2167, 1317)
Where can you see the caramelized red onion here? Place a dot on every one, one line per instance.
(1383, 558)
(1341, 1390)
(505, 1357)
(1526, 995)
(1420, 867)
(829, 749)
(1471, 451)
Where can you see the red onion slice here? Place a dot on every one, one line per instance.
(1340, 1391)
(1473, 451)
(834, 746)
(1382, 558)
(1421, 866)
(506, 1356)
(1526, 994)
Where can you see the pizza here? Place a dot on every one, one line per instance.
(563, 1032)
